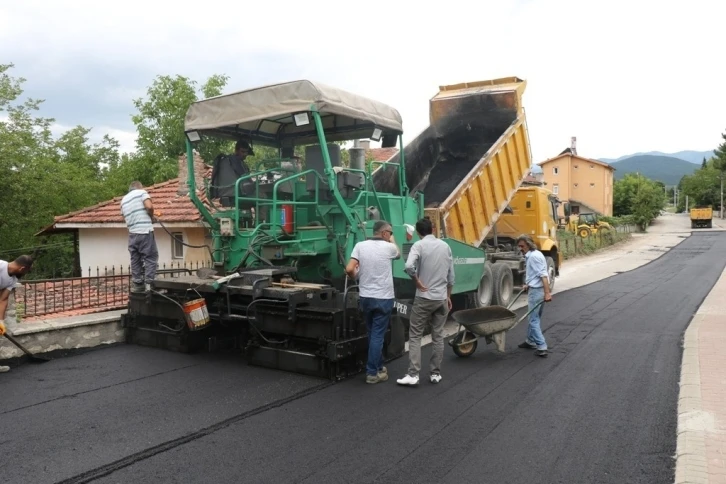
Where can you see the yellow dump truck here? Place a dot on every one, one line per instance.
(533, 212)
(467, 166)
(702, 217)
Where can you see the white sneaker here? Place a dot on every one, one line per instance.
(4, 369)
(408, 380)
(435, 377)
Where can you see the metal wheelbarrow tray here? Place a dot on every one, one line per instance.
(491, 322)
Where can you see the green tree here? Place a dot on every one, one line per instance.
(41, 177)
(639, 197)
(160, 126)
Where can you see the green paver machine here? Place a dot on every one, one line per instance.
(284, 233)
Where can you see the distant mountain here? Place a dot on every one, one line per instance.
(689, 156)
(666, 169)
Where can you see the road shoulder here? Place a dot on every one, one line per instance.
(701, 445)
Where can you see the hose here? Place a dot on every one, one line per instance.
(209, 249)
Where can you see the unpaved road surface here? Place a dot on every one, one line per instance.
(600, 409)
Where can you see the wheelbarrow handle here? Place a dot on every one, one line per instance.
(536, 306)
(511, 303)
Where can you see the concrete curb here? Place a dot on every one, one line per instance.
(701, 436)
(691, 464)
(66, 333)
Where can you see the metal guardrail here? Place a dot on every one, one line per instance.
(107, 289)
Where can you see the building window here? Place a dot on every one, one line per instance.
(575, 167)
(177, 248)
(592, 185)
(556, 189)
(555, 170)
(592, 166)
(575, 185)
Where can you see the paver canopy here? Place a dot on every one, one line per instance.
(265, 114)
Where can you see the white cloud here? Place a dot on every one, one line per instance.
(623, 76)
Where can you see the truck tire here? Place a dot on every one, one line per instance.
(503, 284)
(710, 224)
(483, 294)
(552, 271)
(584, 232)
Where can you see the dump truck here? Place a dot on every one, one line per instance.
(283, 233)
(702, 217)
(533, 211)
(468, 164)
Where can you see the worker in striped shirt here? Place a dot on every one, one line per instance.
(138, 210)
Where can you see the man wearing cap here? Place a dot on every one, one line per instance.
(10, 273)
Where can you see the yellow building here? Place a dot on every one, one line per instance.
(586, 184)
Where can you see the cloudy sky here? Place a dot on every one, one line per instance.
(622, 76)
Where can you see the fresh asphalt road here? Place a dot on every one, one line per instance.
(600, 409)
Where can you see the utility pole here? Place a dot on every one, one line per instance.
(721, 207)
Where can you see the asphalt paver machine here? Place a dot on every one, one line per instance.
(283, 233)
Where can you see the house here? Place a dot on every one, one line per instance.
(102, 236)
(377, 154)
(585, 183)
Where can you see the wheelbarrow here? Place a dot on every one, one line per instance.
(491, 322)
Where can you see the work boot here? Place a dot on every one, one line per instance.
(526, 346)
(4, 369)
(373, 379)
(138, 287)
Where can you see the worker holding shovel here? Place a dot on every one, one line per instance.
(10, 273)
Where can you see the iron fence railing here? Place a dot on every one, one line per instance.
(105, 288)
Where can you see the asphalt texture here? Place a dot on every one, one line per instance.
(600, 409)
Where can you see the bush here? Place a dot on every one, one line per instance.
(618, 221)
(572, 245)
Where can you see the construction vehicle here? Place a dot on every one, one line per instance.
(468, 164)
(282, 236)
(702, 217)
(585, 224)
(534, 213)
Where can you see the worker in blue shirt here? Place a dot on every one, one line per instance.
(537, 285)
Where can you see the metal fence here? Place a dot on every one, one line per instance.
(102, 289)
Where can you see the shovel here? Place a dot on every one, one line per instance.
(33, 358)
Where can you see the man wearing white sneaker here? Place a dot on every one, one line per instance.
(10, 273)
(431, 266)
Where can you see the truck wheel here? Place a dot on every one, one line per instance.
(583, 232)
(551, 271)
(503, 284)
(710, 225)
(483, 295)
(467, 349)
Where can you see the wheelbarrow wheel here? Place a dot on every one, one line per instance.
(466, 349)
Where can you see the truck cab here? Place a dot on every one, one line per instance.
(532, 211)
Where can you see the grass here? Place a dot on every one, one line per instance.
(572, 245)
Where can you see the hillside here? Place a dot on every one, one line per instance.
(661, 168)
(688, 155)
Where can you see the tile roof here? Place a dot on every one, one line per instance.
(173, 207)
(381, 154)
(568, 152)
(166, 196)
